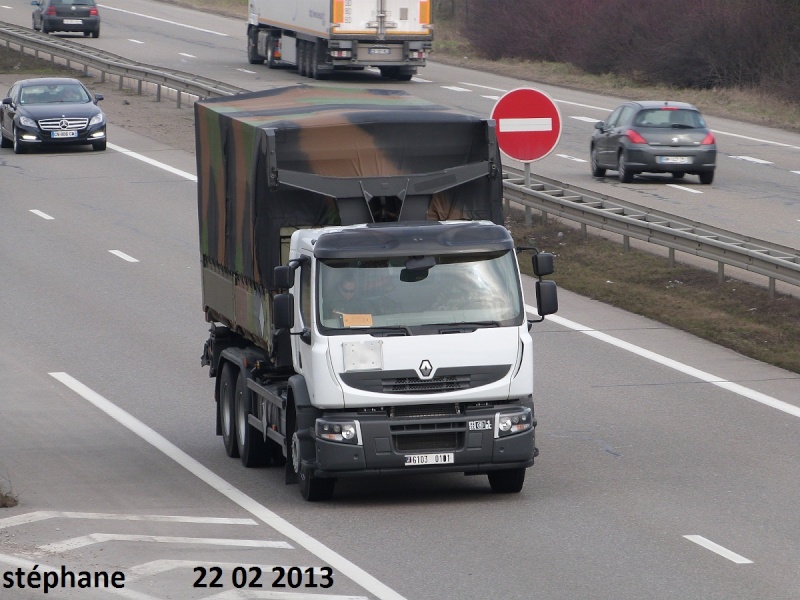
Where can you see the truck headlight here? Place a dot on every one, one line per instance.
(346, 432)
(511, 422)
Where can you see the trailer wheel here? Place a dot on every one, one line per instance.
(226, 407)
(507, 481)
(271, 62)
(252, 47)
(249, 441)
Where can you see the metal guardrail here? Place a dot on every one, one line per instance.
(551, 197)
(774, 261)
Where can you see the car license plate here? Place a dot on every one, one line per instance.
(379, 51)
(675, 160)
(63, 134)
(447, 458)
(73, 21)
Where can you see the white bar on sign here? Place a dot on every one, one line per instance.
(536, 124)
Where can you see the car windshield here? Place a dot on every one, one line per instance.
(401, 293)
(53, 94)
(669, 118)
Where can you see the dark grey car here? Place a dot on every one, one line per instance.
(80, 16)
(654, 137)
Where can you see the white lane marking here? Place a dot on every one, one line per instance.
(124, 256)
(722, 551)
(41, 214)
(135, 14)
(100, 538)
(754, 160)
(155, 163)
(44, 515)
(684, 188)
(328, 556)
(736, 388)
(186, 55)
(4, 6)
(483, 87)
(587, 119)
(573, 158)
(248, 71)
(135, 41)
(495, 98)
(421, 80)
(28, 565)
(455, 89)
(521, 125)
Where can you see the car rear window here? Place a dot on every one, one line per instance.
(665, 117)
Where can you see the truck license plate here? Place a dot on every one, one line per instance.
(379, 51)
(447, 458)
(63, 134)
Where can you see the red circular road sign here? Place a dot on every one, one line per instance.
(528, 124)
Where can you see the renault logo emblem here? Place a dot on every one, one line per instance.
(425, 368)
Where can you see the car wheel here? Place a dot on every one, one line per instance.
(96, 32)
(4, 141)
(597, 171)
(19, 147)
(225, 405)
(507, 481)
(678, 175)
(35, 28)
(625, 175)
(707, 177)
(99, 146)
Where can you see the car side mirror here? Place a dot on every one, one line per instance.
(7, 101)
(97, 98)
(600, 125)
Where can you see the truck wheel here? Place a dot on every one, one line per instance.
(312, 488)
(271, 62)
(249, 441)
(226, 407)
(507, 481)
(301, 58)
(252, 48)
(313, 61)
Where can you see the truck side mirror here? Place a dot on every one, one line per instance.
(283, 277)
(543, 264)
(546, 298)
(283, 310)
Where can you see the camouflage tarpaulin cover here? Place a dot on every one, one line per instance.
(340, 134)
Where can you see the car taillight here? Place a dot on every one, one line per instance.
(92, 12)
(51, 10)
(708, 140)
(635, 137)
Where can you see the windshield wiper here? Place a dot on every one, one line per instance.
(465, 326)
(385, 330)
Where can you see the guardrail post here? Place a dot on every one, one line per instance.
(721, 272)
(120, 82)
(158, 92)
(671, 258)
(179, 98)
(584, 231)
(626, 243)
(772, 288)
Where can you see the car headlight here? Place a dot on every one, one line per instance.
(27, 122)
(346, 432)
(511, 422)
(97, 119)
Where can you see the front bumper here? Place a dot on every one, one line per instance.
(386, 442)
(35, 136)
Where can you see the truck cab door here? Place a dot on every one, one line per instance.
(303, 298)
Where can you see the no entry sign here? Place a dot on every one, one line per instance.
(528, 124)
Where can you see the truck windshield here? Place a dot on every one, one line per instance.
(405, 292)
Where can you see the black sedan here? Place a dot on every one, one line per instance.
(52, 111)
(79, 16)
(654, 137)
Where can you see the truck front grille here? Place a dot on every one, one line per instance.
(414, 385)
(449, 379)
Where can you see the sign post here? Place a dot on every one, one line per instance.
(528, 126)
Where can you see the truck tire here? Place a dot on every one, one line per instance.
(312, 488)
(226, 408)
(507, 481)
(301, 58)
(252, 47)
(249, 441)
(271, 62)
(313, 61)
